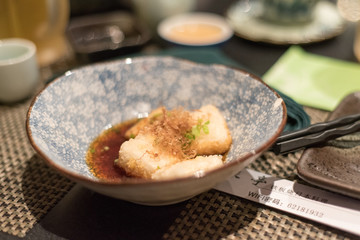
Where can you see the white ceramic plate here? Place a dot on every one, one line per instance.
(195, 29)
(245, 19)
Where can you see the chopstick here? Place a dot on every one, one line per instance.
(316, 134)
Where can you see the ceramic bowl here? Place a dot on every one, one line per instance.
(71, 111)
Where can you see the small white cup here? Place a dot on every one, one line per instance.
(19, 72)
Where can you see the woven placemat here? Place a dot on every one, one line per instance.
(29, 188)
(217, 215)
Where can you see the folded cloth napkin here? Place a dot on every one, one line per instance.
(297, 117)
(313, 80)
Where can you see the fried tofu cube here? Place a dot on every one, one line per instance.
(191, 167)
(218, 140)
(144, 157)
(140, 158)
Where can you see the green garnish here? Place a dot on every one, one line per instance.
(196, 130)
(92, 150)
(132, 135)
(190, 136)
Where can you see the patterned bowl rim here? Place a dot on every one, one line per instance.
(145, 182)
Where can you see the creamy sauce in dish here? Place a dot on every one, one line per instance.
(195, 33)
(195, 29)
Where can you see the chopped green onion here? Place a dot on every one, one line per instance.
(206, 129)
(196, 130)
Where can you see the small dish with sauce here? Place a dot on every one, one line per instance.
(195, 29)
(65, 119)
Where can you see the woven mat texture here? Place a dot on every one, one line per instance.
(29, 189)
(213, 215)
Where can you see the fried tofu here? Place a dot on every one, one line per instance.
(210, 137)
(191, 167)
(140, 158)
(218, 139)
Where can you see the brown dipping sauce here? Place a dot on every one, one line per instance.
(104, 150)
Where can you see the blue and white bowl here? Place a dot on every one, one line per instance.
(70, 112)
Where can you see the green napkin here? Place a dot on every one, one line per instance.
(313, 80)
(296, 116)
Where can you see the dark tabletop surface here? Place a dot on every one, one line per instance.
(83, 214)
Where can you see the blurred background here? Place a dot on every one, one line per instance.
(70, 33)
(308, 50)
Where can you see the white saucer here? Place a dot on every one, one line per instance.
(244, 17)
(195, 29)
